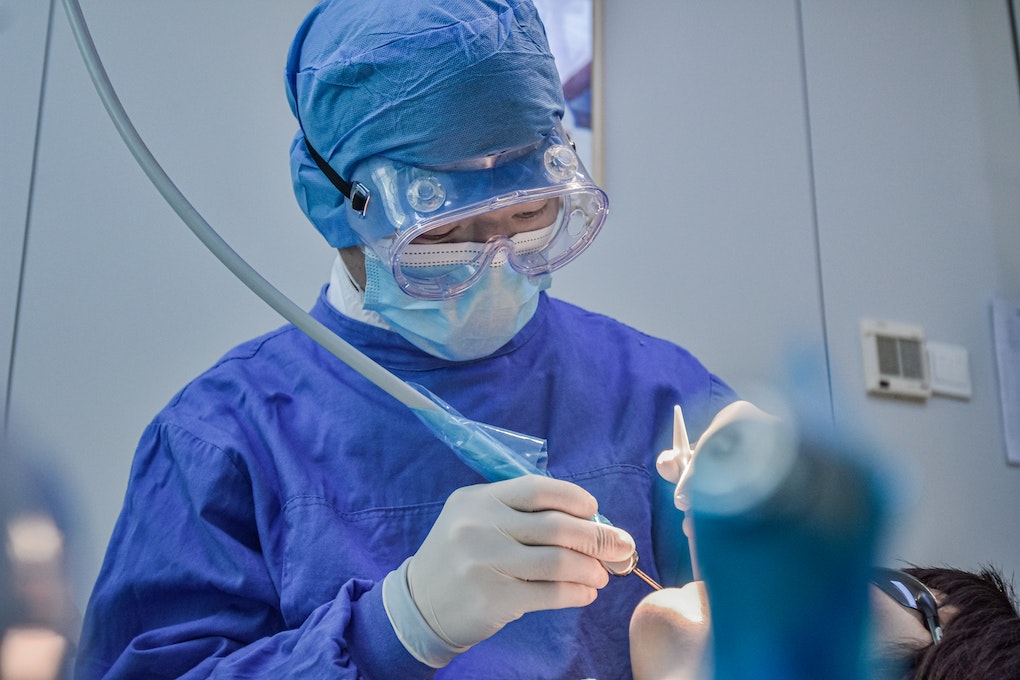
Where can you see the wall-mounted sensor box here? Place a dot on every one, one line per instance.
(895, 359)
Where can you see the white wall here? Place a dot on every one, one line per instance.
(917, 140)
(769, 187)
(22, 42)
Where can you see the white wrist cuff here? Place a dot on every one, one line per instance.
(410, 626)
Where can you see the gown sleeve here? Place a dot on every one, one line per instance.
(187, 591)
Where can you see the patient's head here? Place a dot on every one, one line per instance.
(977, 611)
(981, 628)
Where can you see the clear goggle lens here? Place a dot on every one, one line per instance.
(439, 229)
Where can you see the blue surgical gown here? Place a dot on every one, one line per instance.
(270, 497)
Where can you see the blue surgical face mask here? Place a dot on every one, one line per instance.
(472, 325)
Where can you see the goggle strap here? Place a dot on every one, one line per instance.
(355, 192)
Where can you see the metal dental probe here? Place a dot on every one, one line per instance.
(646, 578)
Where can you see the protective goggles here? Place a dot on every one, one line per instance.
(439, 228)
(912, 594)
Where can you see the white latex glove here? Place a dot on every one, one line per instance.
(498, 551)
(676, 464)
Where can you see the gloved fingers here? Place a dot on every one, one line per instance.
(534, 493)
(532, 511)
(543, 563)
(523, 546)
(670, 464)
(676, 465)
(482, 523)
(548, 514)
(543, 595)
(554, 528)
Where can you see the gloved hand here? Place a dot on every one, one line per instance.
(676, 464)
(500, 550)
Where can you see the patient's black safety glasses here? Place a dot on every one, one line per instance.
(911, 593)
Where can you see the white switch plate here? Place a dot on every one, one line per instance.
(950, 370)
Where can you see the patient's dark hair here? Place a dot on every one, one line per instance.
(981, 639)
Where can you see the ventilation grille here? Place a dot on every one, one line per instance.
(895, 359)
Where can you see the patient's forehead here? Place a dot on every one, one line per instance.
(669, 633)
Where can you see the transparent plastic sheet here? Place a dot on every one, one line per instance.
(494, 453)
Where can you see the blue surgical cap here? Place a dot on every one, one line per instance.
(423, 83)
